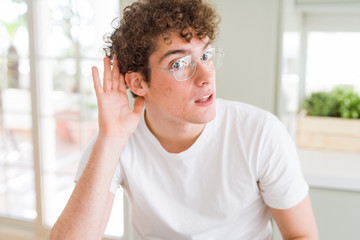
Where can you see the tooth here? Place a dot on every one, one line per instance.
(203, 99)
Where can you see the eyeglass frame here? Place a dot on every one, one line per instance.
(218, 50)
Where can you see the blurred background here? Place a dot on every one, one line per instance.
(278, 55)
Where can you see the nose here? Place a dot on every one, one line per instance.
(203, 75)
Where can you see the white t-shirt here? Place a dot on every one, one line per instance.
(243, 162)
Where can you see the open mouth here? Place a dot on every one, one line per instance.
(205, 99)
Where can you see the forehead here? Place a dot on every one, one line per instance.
(173, 42)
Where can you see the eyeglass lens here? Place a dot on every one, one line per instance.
(212, 59)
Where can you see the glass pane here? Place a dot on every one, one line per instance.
(59, 86)
(16, 148)
(17, 175)
(75, 27)
(13, 28)
(115, 226)
(332, 58)
(99, 24)
(88, 97)
(62, 155)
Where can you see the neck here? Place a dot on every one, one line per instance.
(174, 137)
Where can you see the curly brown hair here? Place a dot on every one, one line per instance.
(134, 40)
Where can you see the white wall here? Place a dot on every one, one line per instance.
(249, 37)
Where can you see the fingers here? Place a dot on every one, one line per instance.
(115, 74)
(107, 75)
(96, 81)
(113, 79)
(138, 105)
(119, 79)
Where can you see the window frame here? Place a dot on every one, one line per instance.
(342, 18)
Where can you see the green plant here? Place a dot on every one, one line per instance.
(321, 104)
(341, 101)
(350, 106)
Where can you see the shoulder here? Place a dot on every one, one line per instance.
(229, 106)
(243, 113)
(259, 127)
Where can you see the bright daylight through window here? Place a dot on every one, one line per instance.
(69, 36)
(321, 56)
(16, 147)
(333, 58)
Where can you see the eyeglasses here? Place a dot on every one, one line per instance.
(185, 67)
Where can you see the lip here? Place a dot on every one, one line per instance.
(208, 102)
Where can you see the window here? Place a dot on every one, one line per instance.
(16, 146)
(333, 52)
(320, 50)
(39, 166)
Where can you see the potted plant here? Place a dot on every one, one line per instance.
(331, 120)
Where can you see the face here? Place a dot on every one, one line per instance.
(180, 102)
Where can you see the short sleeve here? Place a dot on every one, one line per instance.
(115, 184)
(281, 181)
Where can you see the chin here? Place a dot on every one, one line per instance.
(206, 116)
(211, 117)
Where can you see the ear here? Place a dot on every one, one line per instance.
(135, 82)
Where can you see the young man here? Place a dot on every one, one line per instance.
(193, 166)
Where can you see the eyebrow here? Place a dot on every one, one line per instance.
(172, 52)
(179, 51)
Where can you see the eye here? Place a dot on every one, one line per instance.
(206, 56)
(177, 65)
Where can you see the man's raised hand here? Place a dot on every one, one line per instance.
(116, 118)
